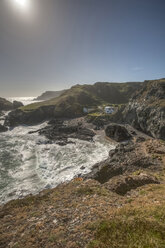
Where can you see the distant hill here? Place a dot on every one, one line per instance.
(49, 94)
(71, 102)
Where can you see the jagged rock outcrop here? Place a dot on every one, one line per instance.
(127, 158)
(18, 117)
(17, 104)
(5, 105)
(117, 132)
(60, 133)
(123, 184)
(146, 109)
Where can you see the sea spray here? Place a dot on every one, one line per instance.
(28, 163)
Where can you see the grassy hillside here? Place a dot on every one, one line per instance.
(71, 102)
(49, 95)
(89, 95)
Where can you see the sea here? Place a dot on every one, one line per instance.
(28, 164)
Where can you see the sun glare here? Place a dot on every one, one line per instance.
(22, 4)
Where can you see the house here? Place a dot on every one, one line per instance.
(109, 110)
(85, 110)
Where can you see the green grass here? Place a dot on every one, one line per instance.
(88, 95)
(132, 229)
(91, 191)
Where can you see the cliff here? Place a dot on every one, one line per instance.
(146, 109)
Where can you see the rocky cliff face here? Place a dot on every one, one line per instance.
(146, 109)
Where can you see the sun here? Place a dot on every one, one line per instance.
(22, 4)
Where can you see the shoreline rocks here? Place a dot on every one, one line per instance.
(60, 132)
(3, 128)
(117, 132)
(126, 158)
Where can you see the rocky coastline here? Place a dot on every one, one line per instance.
(78, 207)
(121, 196)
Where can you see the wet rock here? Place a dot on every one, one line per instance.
(55, 122)
(60, 133)
(117, 132)
(3, 128)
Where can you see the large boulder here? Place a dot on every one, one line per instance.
(117, 132)
(17, 104)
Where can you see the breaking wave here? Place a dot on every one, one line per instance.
(29, 164)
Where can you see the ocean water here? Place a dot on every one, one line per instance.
(24, 100)
(28, 164)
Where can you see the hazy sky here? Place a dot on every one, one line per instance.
(53, 44)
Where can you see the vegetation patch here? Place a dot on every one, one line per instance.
(133, 229)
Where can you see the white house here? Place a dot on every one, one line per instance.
(85, 110)
(109, 110)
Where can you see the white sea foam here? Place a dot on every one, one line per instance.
(28, 164)
(24, 100)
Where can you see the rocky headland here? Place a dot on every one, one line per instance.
(6, 105)
(120, 202)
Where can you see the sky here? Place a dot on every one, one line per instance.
(54, 44)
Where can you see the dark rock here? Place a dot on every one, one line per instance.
(55, 122)
(18, 116)
(60, 133)
(125, 158)
(146, 109)
(117, 132)
(3, 128)
(5, 105)
(122, 184)
(17, 104)
(140, 139)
